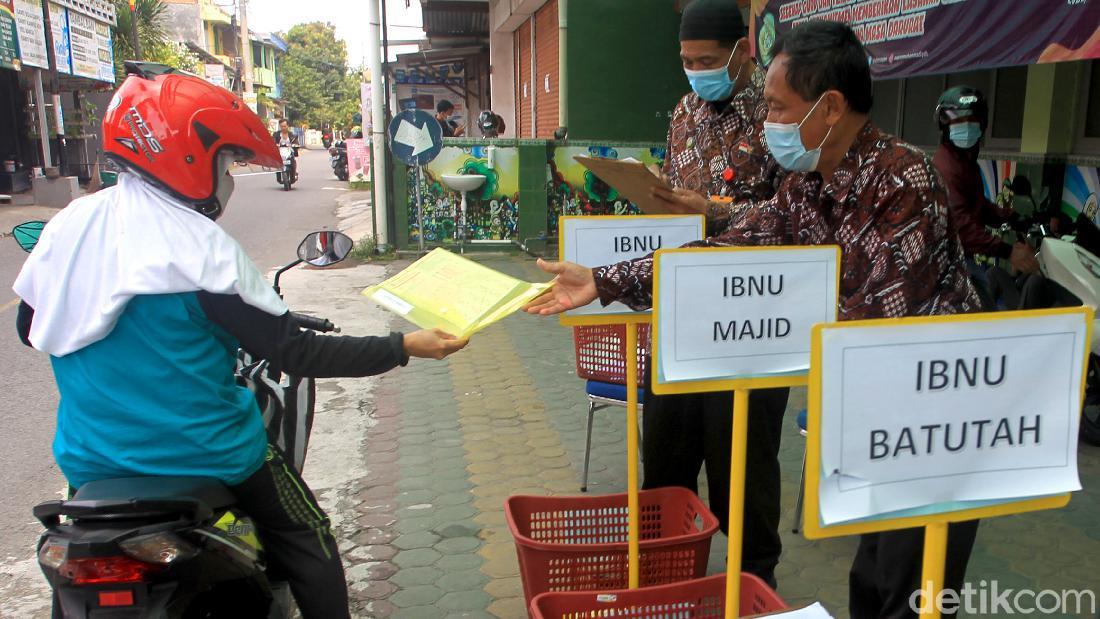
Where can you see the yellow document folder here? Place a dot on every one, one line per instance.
(452, 293)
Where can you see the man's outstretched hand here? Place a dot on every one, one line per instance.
(572, 287)
(432, 344)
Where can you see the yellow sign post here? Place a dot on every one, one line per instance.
(1068, 333)
(719, 267)
(570, 243)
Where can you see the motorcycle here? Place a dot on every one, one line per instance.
(178, 547)
(289, 174)
(326, 139)
(338, 159)
(1069, 275)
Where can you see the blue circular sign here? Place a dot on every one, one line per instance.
(415, 137)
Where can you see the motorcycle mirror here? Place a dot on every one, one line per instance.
(27, 233)
(324, 248)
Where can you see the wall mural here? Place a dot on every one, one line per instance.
(574, 190)
(995, 172)
(1079, 193)
(492, 212)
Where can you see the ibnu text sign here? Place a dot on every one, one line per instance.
(739, 317)
(594, 241)
(930, 415)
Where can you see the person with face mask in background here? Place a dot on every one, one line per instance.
(715, 147)
(962, 115)
(880, 200)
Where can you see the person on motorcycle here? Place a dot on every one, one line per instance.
(962, 115)
(142, 302)
(285, 137)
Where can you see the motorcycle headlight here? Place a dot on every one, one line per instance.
(53, 553)
(163, 548)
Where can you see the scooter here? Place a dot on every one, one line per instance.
(169, 547)
(338, 159)
(289, 174)
(1069, 275)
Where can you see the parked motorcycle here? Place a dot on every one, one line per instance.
(178, 547)
(289, 174)
(1069, 275)
(338, 159)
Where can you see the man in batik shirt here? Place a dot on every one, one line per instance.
(715, 148)
(876, 197)
(715, 139)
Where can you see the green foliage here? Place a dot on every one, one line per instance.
(315, 80)
(155, 44)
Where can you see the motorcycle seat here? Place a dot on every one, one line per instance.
(209, 492)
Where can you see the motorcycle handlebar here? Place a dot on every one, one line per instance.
(313, 323)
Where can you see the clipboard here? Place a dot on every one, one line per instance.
(630, 178)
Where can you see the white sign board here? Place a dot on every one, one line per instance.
(105, 52)
(83, 45)
(740, 313)
(596, 241)
(31, 29)
(59, 28)
(942, 416)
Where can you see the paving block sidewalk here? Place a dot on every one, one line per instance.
(449, 441)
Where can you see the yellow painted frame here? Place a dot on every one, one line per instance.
(632, 318)
(811, 526)
(729, 384)
(741, 388)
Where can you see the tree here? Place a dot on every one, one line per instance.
(315, 80)
(155, 44)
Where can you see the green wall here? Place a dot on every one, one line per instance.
(624, 72)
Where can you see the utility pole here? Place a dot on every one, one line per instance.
(378, 123)
(246, 49)
(134, 39)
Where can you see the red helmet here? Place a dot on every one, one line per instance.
(171, 127)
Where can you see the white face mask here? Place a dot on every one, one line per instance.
(224, 183)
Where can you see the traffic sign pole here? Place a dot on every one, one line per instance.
(416, 139)
(419, 209)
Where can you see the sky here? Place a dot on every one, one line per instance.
(349, 16)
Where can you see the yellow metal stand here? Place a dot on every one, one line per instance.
(932, 569)
(633, 511)
(737, 502)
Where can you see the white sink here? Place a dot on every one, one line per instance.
(463, 182)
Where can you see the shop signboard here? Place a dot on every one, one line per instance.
(59, 28)
(9, 41)
(104, 52)
(32, 33)
(82, 45)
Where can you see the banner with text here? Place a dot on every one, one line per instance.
(32, 33)
(914, 37)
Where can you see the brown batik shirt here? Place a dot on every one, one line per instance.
(720, 151)
(884, 207)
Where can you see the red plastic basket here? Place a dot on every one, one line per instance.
(580, 543)
(694, 599)
(601, 352)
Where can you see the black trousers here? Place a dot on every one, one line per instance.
(681, 433)
(296, 536)
(887, 570)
